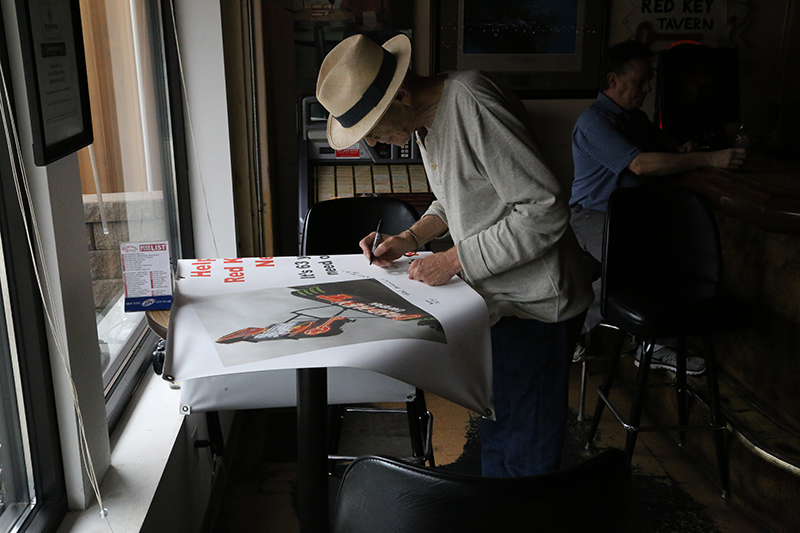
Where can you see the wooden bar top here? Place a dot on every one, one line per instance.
(765, 193)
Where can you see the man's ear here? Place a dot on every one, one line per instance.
(613, 79)
(403, 96)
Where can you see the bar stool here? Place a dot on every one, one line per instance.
(597, 347)
(594, 347)
(662, 278)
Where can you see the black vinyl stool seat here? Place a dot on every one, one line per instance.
(662, 278)
(335, 227)
(380, 494)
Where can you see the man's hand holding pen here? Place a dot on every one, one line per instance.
(382, 251)
(435, 269)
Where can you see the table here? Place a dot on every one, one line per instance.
(308, 331)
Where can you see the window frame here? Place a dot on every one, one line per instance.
(38, 396)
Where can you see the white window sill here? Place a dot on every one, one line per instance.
(140, 447)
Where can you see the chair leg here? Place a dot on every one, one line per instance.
(605, 388)
(419, 428)
(582, 399)
(414, 429)
(638, 400)
(712, 382)
(426, 422)
(335, 417)
(680, 386)
(587, 343)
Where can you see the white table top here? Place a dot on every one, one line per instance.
(239, 328)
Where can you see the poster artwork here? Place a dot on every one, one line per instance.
(364, 299)
(321, 315)
(240, 327)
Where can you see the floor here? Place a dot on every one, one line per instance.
(671, 494)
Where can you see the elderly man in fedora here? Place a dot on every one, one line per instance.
(507, 215)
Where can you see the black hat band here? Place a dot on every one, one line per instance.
(373, 94)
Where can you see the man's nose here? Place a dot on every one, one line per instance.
(371, 142)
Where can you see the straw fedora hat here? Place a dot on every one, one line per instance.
(357, 81)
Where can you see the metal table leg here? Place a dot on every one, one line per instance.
(312, 453)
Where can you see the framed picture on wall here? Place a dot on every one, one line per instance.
(539, 48)
(55, 76)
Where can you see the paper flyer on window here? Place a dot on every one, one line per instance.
(146, 275)
(240, 327)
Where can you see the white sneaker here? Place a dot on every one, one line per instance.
(666, 358)
(579, 353)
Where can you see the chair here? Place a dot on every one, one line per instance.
(382, 494)
(335, 227)
(662, 278)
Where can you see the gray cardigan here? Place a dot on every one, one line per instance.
(505, 210)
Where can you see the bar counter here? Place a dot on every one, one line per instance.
(765, 193)
(758, 214)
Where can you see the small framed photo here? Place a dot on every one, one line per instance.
(55, 76)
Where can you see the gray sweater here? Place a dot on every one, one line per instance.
(505, 210)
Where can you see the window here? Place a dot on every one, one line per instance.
(135, 173)
(16, 492)
(134, 155)
(32, 490)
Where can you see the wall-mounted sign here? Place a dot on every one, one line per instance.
(55, 75)
(658, 23)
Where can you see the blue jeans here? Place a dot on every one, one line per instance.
(530, 361)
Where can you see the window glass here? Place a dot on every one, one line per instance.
(133, 160)
(16, 494)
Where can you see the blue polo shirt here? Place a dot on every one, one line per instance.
(601, 151)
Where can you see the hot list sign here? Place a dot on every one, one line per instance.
(146, 275)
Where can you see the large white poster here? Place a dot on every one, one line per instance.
(240, 327)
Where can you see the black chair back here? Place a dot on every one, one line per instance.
(660, 238)
(336, 226)
(382, 494)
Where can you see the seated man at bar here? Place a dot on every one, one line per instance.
(507, 215)
(614, 145)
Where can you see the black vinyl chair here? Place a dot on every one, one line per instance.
(380, 494)
(336, 227)
(662, 278)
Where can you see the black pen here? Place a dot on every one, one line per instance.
(375, 242)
